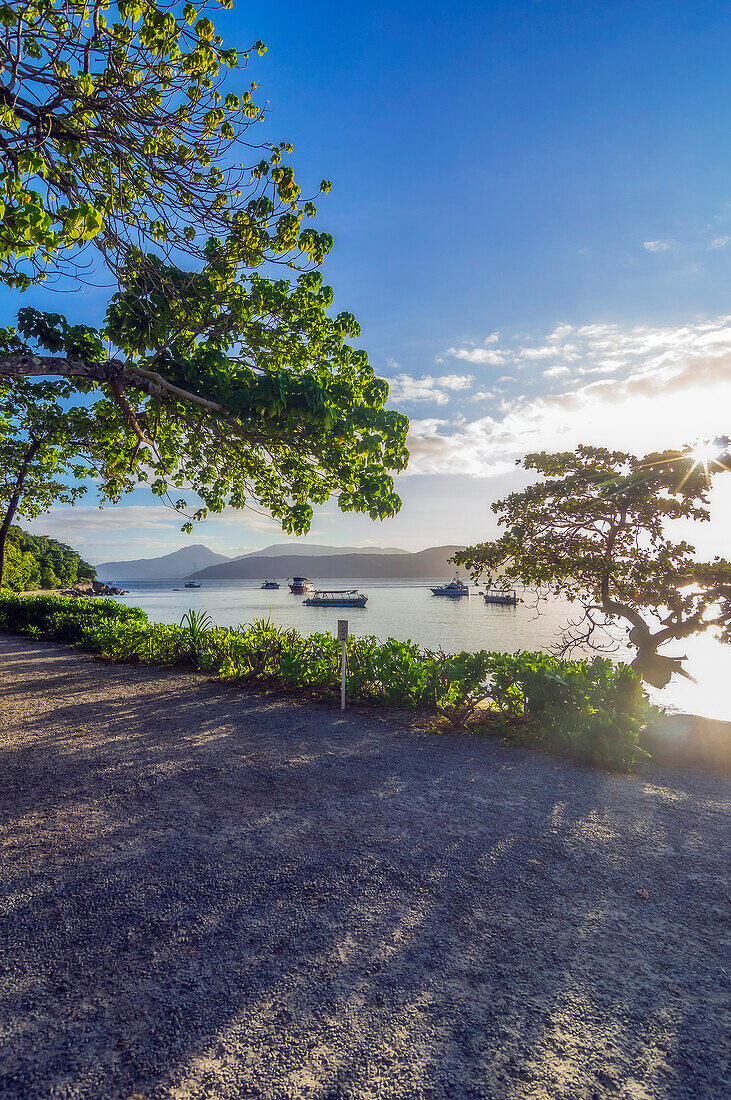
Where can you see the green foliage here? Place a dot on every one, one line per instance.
(596, 529)
(589, 711)
(119, 130)
(257, 395)
(37, 561)
(20, 571)
(47, 448)
(241, 388)
(592, 711)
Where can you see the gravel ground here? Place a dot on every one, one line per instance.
(213, 894)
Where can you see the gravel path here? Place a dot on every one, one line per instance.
(212, 894)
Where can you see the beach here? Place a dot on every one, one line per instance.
(215, 893)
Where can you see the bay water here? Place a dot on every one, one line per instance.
(407, 610)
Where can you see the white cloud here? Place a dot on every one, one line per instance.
(719, 242)
(656, 246)
(427, 388)
(560, 331)
(482, 395)
(506, 378)
(556, 372)
(490, 356)
(668, 385)
(66, 520)
(537, 353)
(456, 381)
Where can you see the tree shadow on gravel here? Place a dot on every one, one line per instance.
(214, 894)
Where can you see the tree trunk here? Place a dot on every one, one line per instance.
(656, 669)
(15, 500)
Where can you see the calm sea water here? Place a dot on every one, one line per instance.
(407, 609)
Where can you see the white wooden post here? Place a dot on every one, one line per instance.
(343, 639)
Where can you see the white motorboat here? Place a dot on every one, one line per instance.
(300, 585)
(455, 589)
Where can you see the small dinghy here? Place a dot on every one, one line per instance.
(341, 597)
(502, 596)
(454, 589)
(270, 584)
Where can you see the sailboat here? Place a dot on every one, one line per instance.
(196, 582)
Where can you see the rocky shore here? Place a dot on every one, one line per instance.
(81, 588)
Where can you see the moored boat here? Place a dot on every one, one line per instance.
(500, 596)
(270, 584)
(301, 584)
(340, 597)
(454, 589)
(196, 581)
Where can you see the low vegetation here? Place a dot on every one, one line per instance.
(590, 711)
(36, 561)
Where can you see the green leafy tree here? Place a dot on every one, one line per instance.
(595, 529)
(21, 570)
(46, 451)
(242, 393)
(116, 127)
(35, 561)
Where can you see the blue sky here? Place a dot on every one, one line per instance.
(531, 208)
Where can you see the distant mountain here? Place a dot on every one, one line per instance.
(173, 566)
(326, 567)
(281, 549)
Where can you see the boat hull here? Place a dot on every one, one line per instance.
(450, 595)
(503, 601)
(313, 601)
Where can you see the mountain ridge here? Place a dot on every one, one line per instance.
(174, 566)
(432, 562)
(281, 549)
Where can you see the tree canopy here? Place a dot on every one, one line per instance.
(37, 561)
(597, 530)
(225, 380)
(116, 127)
(246, 393)
(47, 449)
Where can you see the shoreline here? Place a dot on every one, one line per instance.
(676, 739)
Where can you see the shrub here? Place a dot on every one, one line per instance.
(590, 711)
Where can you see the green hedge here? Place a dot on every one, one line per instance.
(591, 711)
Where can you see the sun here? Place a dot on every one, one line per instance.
(706, 451)
(709, 455)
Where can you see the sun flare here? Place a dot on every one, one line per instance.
(707, 451)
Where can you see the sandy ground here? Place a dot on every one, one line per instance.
(213, 894)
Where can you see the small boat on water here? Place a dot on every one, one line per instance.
(300, 585)
(341, 597)
(196, 581)
(270, 584)
(454, 589)
(506, 597)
